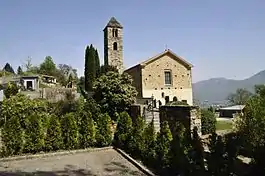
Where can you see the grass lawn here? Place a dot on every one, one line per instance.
(223, 125)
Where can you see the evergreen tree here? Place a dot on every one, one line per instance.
(136, 145)
(87, 130)
(69, 131)
(164, 139)
(216, 161)
(197, 158)
(53, 139)
(11, 90)
(103, 131)
(8, 68)
(12, 136)
(232, 151)
(123, 132)
(19, 70)
(179, 161)
(149, 142)
(90, 67)
(34, 134)
(97, 63)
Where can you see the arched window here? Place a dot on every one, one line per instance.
(115, 46)
(114, 32)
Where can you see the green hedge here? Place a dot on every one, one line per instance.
(31, 126)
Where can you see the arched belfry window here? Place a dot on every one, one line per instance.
(114, 32)
(115, 46)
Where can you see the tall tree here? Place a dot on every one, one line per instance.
(48, 66)
(8, 68)
(240, 97)
(92, 67)
(97, 63)
(19, 70)
(114, 92)
(90, 72)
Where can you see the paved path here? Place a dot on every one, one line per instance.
(100, 163)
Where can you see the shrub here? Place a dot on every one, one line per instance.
(22, 107)
(149, 142)
(136, 145)
(87, 130)
(69, 131)
(216, 160)
(34, 134)
(208, 121)
(164, 139)
(12, 137)
(92, 107)
(179, 161)
(53, 140)
(197, 158)
(103, 131)
(123, 132)
(11, 90)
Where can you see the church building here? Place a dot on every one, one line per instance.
(163, 77)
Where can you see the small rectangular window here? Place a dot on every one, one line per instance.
(168, 78)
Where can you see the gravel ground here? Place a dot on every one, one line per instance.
(100, 163)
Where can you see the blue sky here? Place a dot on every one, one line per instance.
(221, 38)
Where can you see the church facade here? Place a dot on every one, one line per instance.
(163, 77)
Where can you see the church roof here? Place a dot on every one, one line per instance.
(114, 23)
(166, 52)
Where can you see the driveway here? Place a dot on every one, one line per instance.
(99, 163)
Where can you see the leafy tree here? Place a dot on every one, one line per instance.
(208, 121)
(34, 134)
(53, 140)
(240, 97)
(164, 139)
(63, 73)
(19, 70)
(8, 68)
(103, 131)
(11, 90)
(114, 92)
(136, 145)
(22, 107)
(90, 67)
(87, 130)
(123, 133)
(251, 124)
(69, 131)
(12, 136)
(48, 67)
(28, 65)
(107, 68)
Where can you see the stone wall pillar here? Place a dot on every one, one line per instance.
(195, 120)
(189, 116)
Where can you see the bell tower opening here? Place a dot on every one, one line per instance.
(113, 44)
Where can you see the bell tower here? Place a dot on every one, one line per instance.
(113, 44)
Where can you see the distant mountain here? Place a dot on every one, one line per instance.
(216, 90)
